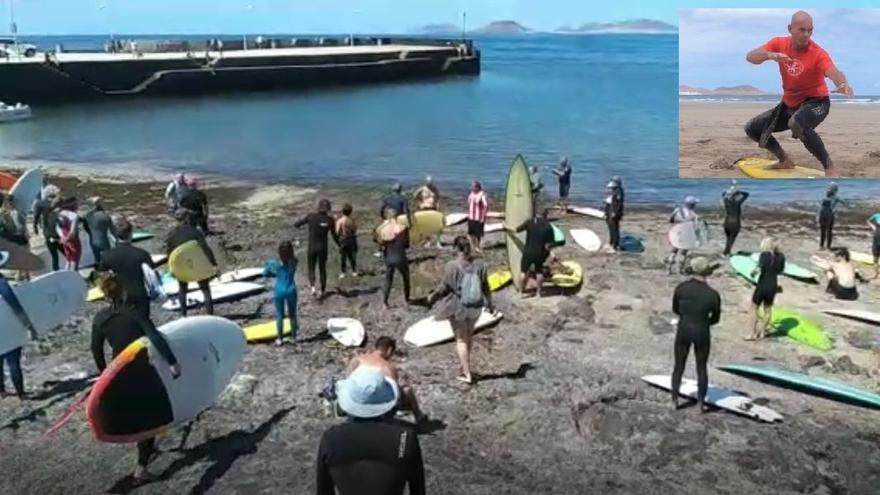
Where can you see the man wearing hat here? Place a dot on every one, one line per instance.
(99, 226)
(369, 453)
(698, 307)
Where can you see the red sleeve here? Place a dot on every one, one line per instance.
(824, 61)
(773, 45)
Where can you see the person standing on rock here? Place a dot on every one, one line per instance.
(125, 261)
(699, 307)
(771, 263)
(186, 231)
(380, 358)
(563, 173)
(732, 199)
(874, 223)
(427, 198)
(478, 210)
(321, 224)
(681, 214)
(613, 214)
(393, 239)
(284, 271)
(68, 233)
(465, 286)
(803, 65)
(119, 325)
(196, 201)
(174, 193)
(99, 227)
(370, 453)
(396, 201)
(46, 218)
(826, 214)
(538, 248)
(12, 358)
(346, 230)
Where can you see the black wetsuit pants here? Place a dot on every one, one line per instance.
(403, 268)
(54, 249)
(613, 231)
(802, 122)
(826, 230)
(348, 255)
(701, 341)
(731, 231)
(184, 289)
(318, 258)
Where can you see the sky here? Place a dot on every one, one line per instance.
(60, 17)
(713, 44)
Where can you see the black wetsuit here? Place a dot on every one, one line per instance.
(805, 118)
(771, 265)
(196, 201)
(119, 327)
(698, 307)
(733, 217)
(826, 220)
(46, 218)
(396, 201)
(395, 259)
(875, 246)
(375, 457)
(125, 260)
(539, 234)
(564, 183)
(180, 235)
(99, 227)
(320, 225)
(613, 215)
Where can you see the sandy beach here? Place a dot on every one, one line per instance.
(711, 139)
(560, 407)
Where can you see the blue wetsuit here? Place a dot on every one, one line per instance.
(285, 293)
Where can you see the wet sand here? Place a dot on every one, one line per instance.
(711, 139)
(560, 407)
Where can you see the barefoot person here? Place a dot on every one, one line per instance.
(184, 232)
(12, 357)
(613, 214)
(563, 172)
(321, 224)
(698, 307)
(393, 239)
(538, 247)
(826, 215)
(681, 214)
(380, 358)
(465, 286)
(346, 231)
(803, 65)
(732, 199)
(427, 198)
(478, 210)
(770, 264)
(283, 270)
(842, 276)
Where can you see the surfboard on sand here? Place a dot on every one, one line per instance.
(189, 263)
(719, 397)
(430, 331)
(518, 208)
(498, 280)
(266, 331)
(805, 383)
(743, 266)
(136, 397)
(758, 168)
(586, 239)
(587, 211)
(220, 293)
(558, 235)
(855, 314)
(347, 331)
(493, 227)
(800, 329)
(792, 270)
(49, 301)
(455, 219)
(572, 275)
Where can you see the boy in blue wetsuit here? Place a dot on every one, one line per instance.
(284, 272)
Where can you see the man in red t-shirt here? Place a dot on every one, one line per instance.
(804, 65)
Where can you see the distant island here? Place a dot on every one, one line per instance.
(743, 90)
(511, 27)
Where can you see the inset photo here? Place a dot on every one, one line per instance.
(779, 93)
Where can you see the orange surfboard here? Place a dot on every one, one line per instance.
(7, 181)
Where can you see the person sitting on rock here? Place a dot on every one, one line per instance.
(842, 276)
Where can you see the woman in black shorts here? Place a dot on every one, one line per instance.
(770, 265)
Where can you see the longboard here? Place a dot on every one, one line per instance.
(719, 397)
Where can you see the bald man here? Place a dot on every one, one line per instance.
(803, 65)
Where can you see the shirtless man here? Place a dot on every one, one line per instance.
(842, 276)
(803, 65)
(380, 358)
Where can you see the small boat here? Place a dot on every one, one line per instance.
(12, 113)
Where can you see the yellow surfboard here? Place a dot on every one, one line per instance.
(573, 278)
(498, 280)
(757, 168)
(425, 223)
(266, 331)
(189, 263)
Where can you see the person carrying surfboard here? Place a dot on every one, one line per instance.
(826, 215)
(119, 325)
(874, 223)
(540, 240)
(427, 198)
(13, 228)
(12, 358)
(803, 66)
(770, 264)
(732, 200)
(465, 289)
(563, 173)
(393, 239)
(699, 307)
(681, 214)
(186, 231)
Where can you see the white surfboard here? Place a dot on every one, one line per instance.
(159, 259)
(686, 235)
(586, 239)
(586, 210)
(860, 257)
(219, 293)
(26, 190)
(855, 314)
(493, 227)
(347, 331)
(494, 214)
(455, 219)
(718, 396)
(241, 275)
(49, 301)
(4, 257)
(430, 331)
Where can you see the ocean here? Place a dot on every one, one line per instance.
(608, 102)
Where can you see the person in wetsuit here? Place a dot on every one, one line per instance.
(346, 230)
(371, 453)
(393, 240)
(825, 216)
(683, 213)
(539, 241)
(396, 201)
(803, 65)
(320, 225)
(125, 261)
(874, 223)
(119, 325)
(184, 232)
(613, 214)
(732, 199)
(46, 218)
(770, 264)
(195, 200)
(283, 270)
(12, 358)
(563, 173)
(699, 307)
(99, 227)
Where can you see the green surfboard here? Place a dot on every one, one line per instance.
(796, 327)
(518, 209)
(810, 384)
(141, 235)
(791, 270)
(558, 235)
(743, 266)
